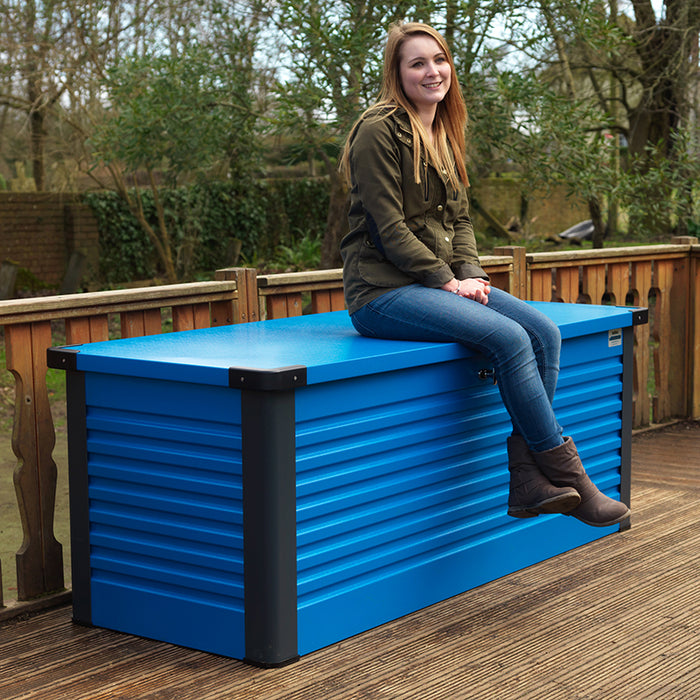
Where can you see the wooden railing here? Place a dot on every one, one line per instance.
(667, 359)
(293, 294)
(85, 318)
(664, 278)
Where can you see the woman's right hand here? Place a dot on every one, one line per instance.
(473, 288)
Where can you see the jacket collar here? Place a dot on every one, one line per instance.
(403, 126)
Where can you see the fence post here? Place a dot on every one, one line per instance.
(40, 558)
(519, 285)
(694, 334)
(246, 279)
(692, 325)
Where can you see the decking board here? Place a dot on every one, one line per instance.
(617, 618)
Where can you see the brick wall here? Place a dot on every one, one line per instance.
(547, 212)
(39, 231)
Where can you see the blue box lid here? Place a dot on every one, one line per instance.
(289, 352)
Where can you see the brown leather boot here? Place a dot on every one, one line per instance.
(530, 491)
(562, 466)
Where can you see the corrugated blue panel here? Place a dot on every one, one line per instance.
(588, 404)
(166, 523)
(398, 508)
(385, 483)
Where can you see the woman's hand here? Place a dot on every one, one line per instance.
(473, 288)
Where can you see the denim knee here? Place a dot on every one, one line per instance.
(549, 336)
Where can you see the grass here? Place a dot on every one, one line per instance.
(487, 240)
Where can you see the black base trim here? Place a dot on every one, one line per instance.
(279, 664)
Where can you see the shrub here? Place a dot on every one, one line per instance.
(263, 215)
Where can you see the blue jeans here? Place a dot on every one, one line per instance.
(522, 343)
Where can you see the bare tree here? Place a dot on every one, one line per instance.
(667, 70)
(613, 102)
(45, 63)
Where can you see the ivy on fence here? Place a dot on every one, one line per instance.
(263, 215)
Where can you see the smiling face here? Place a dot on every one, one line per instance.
(425, 72)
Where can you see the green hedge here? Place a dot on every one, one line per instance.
(202, 220)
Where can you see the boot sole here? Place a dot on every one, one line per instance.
(605, 524)
(558, 504)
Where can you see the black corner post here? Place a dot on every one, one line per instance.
(640, 316)
(269, 515)
(66, 358)
(79, 497)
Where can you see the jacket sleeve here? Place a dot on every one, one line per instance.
(378, 178)
(465, 260)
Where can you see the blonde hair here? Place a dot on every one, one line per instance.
(450, 117)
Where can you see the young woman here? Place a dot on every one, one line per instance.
(411, 269)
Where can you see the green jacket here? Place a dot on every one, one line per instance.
(401, 232)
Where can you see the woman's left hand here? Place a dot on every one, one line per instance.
(475, 288)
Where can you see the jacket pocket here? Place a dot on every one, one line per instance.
(376, 270)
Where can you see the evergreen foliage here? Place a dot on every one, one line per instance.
(265, 216)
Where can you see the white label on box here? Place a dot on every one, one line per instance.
(615, 338)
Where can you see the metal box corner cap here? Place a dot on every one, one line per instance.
(275, 379)
(63, 357)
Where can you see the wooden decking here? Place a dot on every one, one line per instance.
(618, 619)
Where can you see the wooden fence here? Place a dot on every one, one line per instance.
(665, 278)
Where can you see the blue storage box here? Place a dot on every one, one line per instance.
(263, 490)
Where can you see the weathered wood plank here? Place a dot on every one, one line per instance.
(326, 300)
(284, 305)
(301, 279)
(619, 283)
(40, 558)
(247, 306)
(191, 317)
(88, 329)
(135, 324)
(114, 301)
(593, 283)
(662, 281)
(221, 313)
(693, 379)
(568, 258)
(315, 279)
(337, 299)
(541, 285)
(500, 280)
(567, 284)
(321, 302)
(515, 281)
(679, 338)
(641, 284)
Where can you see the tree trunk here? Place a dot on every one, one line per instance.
(136, 207)
(37, 139)
(336, 222)
(37, 133)
(665, 51)
(597, 219)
